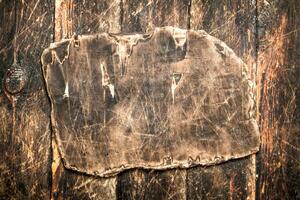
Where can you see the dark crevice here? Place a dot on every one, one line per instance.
(53, 20)
(15, 32)
(189, 15)
(256, 34)
(121, 15)
(256, 37)
(51, 159)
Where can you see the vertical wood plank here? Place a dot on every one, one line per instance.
(279, 81)
(7, 31)
(147, 184)
(24, 173)
(82, 17)
(234, 22)
(26, 29)
(143, 16)
(87, 17)
(224, 181)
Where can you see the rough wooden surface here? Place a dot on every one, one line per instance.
(133, 12)
(277, 164)
(149, 184)
(234, 23)
(190, 103)
(279, 77)
(73, 18)
(143, 16)
(226, 181)
(82, 17)
(145, 22)
(26, 29)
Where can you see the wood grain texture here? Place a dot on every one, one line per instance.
(142, 16)
(26, 29)
(73, 185)
(146, 184)
(279, 78)
(86, 17)
(234, 23)
(75, 18)
(145, 15)
(225, 181)
(110, 114)
(24, 123)
(151, 184)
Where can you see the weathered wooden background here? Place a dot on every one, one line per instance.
(265, 33)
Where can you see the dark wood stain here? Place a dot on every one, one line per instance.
(234, 23)
(95, 101)
(141, 16)
(26, 29)
(278, 81)
(261, 32)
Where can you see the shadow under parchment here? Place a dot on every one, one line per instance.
(170, 98)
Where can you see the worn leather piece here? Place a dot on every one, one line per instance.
(170, 98)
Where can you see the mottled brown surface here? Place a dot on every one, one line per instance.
(145, 15)
(171, 98)
(234, 23)
(279, 95)
(82, 17)
(25, 30)
(269, 29)
(143, 19)
(225, 181)
(152, 184)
